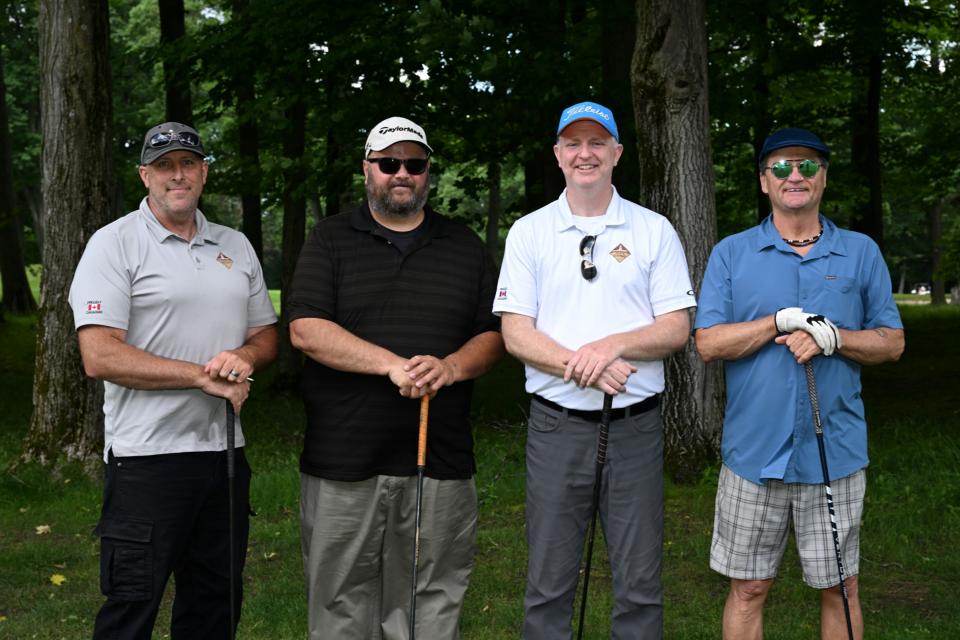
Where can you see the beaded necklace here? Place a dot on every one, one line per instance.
(807, 242)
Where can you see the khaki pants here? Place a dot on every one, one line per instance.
(358, 544)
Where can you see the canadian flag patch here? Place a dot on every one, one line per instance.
(94, 307)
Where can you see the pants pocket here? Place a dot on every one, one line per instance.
(126, 559)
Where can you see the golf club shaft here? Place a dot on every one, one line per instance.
(602, 438)
(231, 446)
(421, 466)
(818, 427)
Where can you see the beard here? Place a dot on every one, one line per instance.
(383, 202)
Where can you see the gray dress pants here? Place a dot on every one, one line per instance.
(561, 466)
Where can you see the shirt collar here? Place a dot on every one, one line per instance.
(614, 213)
(160, 233)
(830, 242)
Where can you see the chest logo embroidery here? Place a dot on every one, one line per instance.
(225, 260)
(620, 253)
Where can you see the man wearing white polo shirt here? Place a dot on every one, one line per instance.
(593, 292)
(173, 314)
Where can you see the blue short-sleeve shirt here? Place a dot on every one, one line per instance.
(768, 427)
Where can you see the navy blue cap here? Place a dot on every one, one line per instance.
(793, 138)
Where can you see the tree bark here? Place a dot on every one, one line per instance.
(669, 80)
(77, 186)
(176, 71)
(618, 26)
(289, 360)
(17, 297)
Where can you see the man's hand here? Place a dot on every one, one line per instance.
(589, 362)
(236, 393)
(430, 373)
(613, 379)
(234, 366)
(824, 332)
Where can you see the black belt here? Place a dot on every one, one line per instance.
(594, 416)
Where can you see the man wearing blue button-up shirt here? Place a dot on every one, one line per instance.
(792, 290)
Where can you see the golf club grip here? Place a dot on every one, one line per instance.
(814, 399)
(231, 438)
(422, 439)
(604, 428)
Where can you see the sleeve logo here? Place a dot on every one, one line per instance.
(502, 293)
(93, 307)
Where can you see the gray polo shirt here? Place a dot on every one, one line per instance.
(175, 299)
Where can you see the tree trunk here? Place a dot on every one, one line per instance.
(494, 208)
(618, 25)
(867, 65)
(289, 360)
(669, 79)
(248, 145)
(760, 104)
(938, 293)
(176, 70)
(77, 187)
(17, 297)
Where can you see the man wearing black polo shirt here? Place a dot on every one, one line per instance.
(390, 302)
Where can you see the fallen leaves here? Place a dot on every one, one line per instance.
(42, 529)
(58, 579)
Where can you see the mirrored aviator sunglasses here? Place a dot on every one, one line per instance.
(782, 170)
(390, 166)
(162, 139)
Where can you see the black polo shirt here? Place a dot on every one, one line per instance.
(429, 300)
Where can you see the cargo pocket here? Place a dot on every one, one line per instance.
(126, 559)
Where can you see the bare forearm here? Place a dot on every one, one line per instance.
(533, 347)
(261, 346)
(331, 345)
(107, 357)
(872, 346)
(667, 334)
(735, 340)
(476, 356)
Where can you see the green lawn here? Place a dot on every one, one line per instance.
(911, 530)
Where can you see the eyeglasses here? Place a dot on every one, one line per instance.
(389, 166)
(782, 170)
(162, 139)
(587, 269)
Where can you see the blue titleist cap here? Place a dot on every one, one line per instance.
(793, 138)
(589, 111)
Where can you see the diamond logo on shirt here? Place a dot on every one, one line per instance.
(225, 260)
(620, 253)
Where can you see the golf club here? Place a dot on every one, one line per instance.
(231, 445)
(601, 460)
(421, 465)
(818, 426)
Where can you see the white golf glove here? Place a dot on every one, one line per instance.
(824, 332)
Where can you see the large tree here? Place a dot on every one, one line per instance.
(176, 65)
(669, 78)
(77, 199)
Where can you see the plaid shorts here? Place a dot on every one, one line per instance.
(751, 522)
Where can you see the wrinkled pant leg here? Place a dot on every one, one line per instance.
(632, 514)
(149, 503)
(201, 606)
(448, 534)
(341, 533)
(561, 467)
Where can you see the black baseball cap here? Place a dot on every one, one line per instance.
(793, 138)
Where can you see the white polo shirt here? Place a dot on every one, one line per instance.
(175, 299)
(641, 273)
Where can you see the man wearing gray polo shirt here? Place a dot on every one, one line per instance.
(173, 315)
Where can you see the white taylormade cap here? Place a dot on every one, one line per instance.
(393, 130)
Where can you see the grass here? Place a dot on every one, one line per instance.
(909, 566)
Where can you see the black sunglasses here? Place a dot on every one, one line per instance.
(389, 166)
(162, 139)
(587, 269)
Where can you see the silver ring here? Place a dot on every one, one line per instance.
(234, 374)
